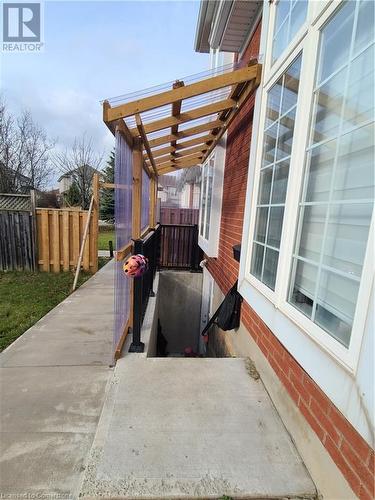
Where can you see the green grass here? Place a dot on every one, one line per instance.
(103, 239)
(26, 297)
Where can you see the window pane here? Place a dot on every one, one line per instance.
(290, 15)
(337, 200)
(257, 260)
(291, 85)
(261, 224)
(203, 199)
(335, 41)
(359, 105)
(270, 268)
(365, 25)
(321, 159)
(355, 166)
(298, 16)
(303, 291)
(312, 231)
(274, 226)
(345, 243)
(265, 186)
(337, 297)
(273, 103)
(209, 198)
(328, 107)
(285, 135)
(280, 182)
(270, 137)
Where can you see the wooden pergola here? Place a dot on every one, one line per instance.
(168, 129)
(207, 107)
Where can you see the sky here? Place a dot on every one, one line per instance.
(95, 50)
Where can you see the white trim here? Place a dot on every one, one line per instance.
(210, 246)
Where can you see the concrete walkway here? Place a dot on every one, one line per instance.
(53, 382)
(191, 428)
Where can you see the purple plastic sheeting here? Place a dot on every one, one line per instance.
(145, 200)
(123, 224)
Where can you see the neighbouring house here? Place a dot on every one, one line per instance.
(168, 194)
(13, 181)
(67, 178)
(188, 185)
(293, 183)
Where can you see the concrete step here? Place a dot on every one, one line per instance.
(191, 428)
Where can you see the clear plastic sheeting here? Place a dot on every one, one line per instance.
(145, 200)
(189, 104)
(123, 223)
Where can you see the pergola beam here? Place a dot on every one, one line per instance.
(191, 115)
(146, 145)
(169, 97)
(190, 151)
(182, 145)
(172, 167)
(188, 132)
(181, 162)
(176, 110)
(243, 98)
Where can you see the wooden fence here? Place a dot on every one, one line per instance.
(59, 236)
(179, 215)
(17, 240)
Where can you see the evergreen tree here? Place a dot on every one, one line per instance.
(72, 197)
(107, 196)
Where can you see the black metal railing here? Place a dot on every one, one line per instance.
(179, 247)
(143, 287)
(167, 246)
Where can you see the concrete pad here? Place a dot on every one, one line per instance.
(202, 428)
(52, 399)
(42, 464)
(51, 349)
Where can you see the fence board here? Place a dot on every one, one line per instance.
(60, 233)
(17, 249)
(170, 215)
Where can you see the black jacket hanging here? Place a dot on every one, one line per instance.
(228, 314)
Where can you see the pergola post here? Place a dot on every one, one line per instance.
(153, 201)
(137, 189)
(95, 222)
(136, 292)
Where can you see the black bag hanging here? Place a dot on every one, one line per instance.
(227, 316)
(230, 311)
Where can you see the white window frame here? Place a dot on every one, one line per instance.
(210, 245)
(306, 40)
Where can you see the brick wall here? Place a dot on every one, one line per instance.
(353, 456)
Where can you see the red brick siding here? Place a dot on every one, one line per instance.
(353, 456)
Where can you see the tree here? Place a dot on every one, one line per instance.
(80, 163)
(72, 197)
(107, 196)
(24, 153)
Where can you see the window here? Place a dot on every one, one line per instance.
(274, 172)
(337, 199)
(206, 198)
(306, 230)
(290, 15)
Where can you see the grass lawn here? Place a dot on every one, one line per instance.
(104, 238)
(26, 297)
